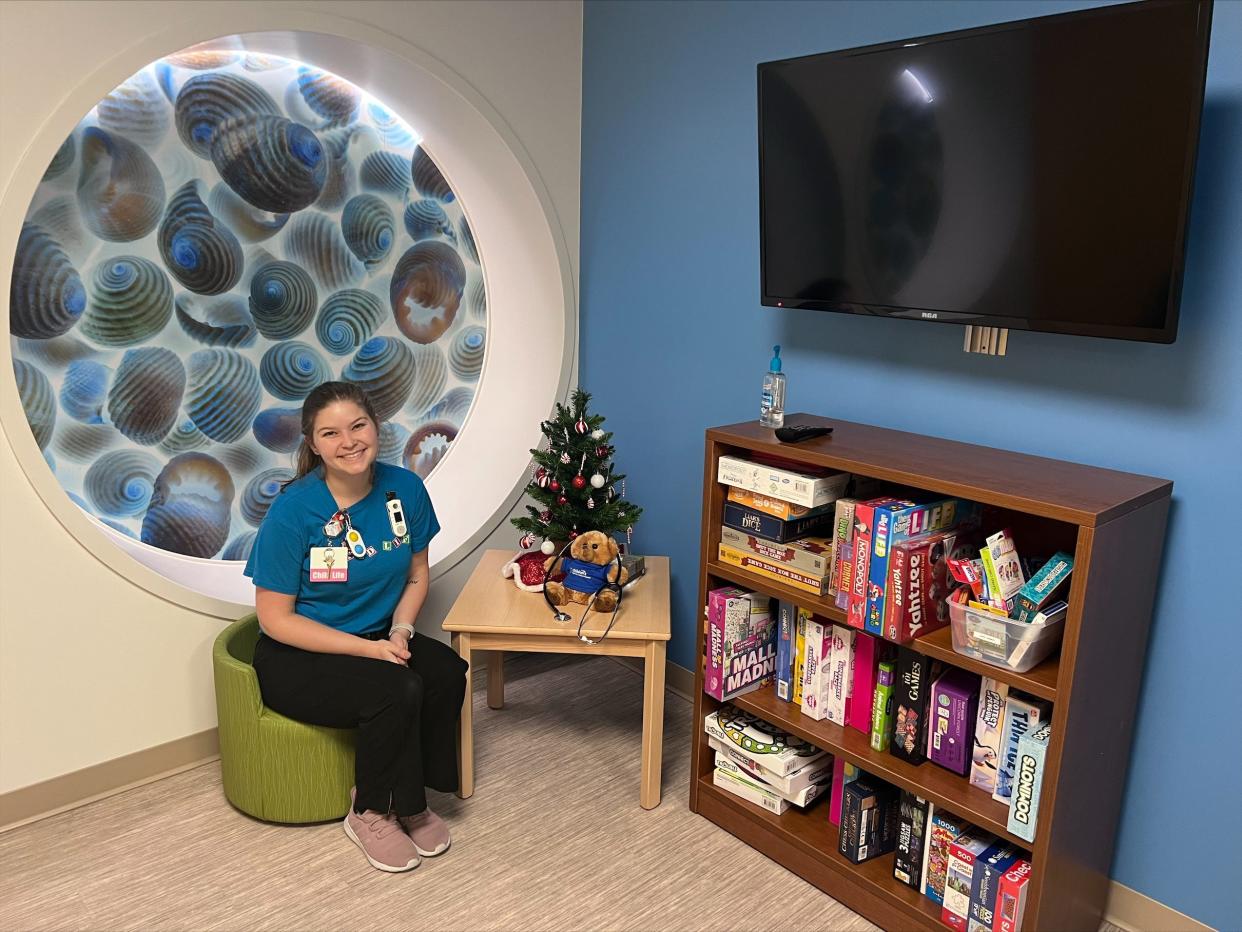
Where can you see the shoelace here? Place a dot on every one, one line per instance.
(380, 831)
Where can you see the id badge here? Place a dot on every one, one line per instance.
(329, 564)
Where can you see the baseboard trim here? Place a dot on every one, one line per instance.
(1127, 909)
(71, 790)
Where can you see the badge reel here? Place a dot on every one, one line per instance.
(396, 515)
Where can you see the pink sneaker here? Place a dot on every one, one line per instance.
(381, 840)
(428, 832)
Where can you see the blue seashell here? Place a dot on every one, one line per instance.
(249, 223)
(279, 429)
(146, 392)
(431, 375)
(339, 181)
(60, 220)
(222, 394)
(56, 353)
(200, 252)
(166, 78)
(466, 353)
(314, 241)
(332, 98)
(384, 367)
(347, 320)
(131, 301)
(84, 390)
(137, 110)
(282, 300)
(46, 296)
(225, 321)
(425, 290)
(38, 400)
(260, 492)
(290, 370)
(82, 443)
(476, 300)
(427, 446)
(62, 160)
(244, 458)
(190, 506)
(270, 162)
(466, 238)
(453, 407)
(392, 129)
(183, 438)
(239, 547)
(120, 191)
(385, 172)
(392, 438)
(120, 483)
(207, 101)
(369, 229)
(426, 219)
(256, 61)
(427, 178)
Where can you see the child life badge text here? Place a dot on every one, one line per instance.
(329, 564)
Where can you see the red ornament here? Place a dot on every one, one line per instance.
(526, 541)
(562, 500)
(579, 482)
(603, 451)
(573, 534)
(541, 479)
(581, 426)
(554, 486)
(545, 516)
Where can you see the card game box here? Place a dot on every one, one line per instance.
(1011, 897)
(754, 522)
(741, 643)
(869, 809)
(1041, 587)
(945, 827)
(794, 487)
(912, 691)
(959, 875)
(776, 507)
(1028, 775)
(914, 815)
(840, 673)
(799, 652)
(989, 721)
(817, 658)
(1022, 714)
(954, 699)
(989, 868)
(786, 621)
(761, 741)
(806, 555)
(882, 707)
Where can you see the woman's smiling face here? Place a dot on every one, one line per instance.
(345, 438)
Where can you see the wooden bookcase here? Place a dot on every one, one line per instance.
(1114, 524)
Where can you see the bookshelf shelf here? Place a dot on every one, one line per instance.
(942, 787)
(1114, 525)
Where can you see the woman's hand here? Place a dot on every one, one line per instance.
(393, 650)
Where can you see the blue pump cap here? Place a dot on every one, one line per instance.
(775, 365)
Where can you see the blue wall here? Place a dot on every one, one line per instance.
(674, 341)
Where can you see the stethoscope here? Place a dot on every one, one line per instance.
(563, 617)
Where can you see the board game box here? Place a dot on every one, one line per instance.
(785, 484)
(749, 790)
(818, 770)
(774, 529)
(741, 643)
(864, 521)
(1011, 897)
(1028, 775)
(1022, 714)
(842, 554)
(954, 698)
(869, 810)
(945, 827)
(919, 583)
(776, 507)
(762, 742)
(806, 555)
(840, 673)
(959, 875)
(988, 724)
(989, 867)
(778, 572)
(914, 818)
(786, 621)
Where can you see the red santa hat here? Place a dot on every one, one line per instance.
(526, 570)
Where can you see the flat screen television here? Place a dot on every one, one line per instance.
(1033, 175)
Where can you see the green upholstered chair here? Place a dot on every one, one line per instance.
(274, 768)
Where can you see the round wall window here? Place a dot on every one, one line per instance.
(221, 233)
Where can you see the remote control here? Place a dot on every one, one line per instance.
(796, 433)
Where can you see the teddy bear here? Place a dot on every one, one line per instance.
(591, 563)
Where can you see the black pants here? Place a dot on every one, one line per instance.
(406, 714)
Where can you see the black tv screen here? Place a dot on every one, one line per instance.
(1033, 175)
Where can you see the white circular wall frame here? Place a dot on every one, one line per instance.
(531, 322)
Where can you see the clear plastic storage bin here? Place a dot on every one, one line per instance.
(1000, 641)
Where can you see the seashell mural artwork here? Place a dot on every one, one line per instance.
(297, 232)
(46, 296)
(120, 191)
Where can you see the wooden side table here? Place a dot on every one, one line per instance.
(492, 614)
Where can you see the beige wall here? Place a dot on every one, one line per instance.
(92, 667)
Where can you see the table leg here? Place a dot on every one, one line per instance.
(496, 679)
(465, 734)
(653, 723)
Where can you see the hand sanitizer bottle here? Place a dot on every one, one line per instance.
(772, 407)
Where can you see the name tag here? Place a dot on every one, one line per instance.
(329, 564)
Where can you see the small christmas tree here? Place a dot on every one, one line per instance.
(573, 480)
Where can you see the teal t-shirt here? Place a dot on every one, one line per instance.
(280, 558)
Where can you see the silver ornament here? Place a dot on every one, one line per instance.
(597, 481)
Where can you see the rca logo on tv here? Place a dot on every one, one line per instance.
(929, 315)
